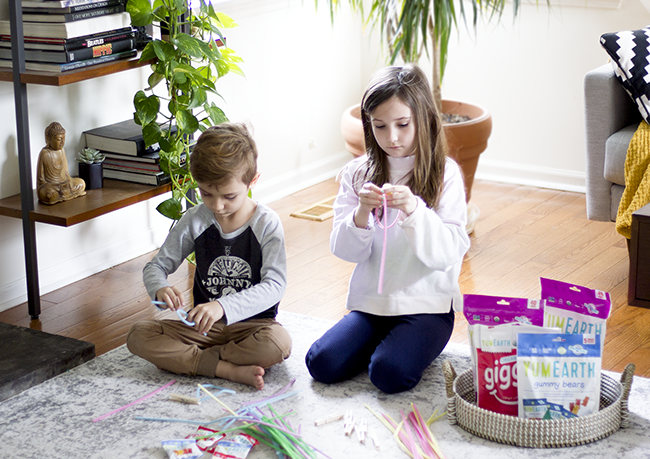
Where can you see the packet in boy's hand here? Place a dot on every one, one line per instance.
(575, 309)
(558, 375)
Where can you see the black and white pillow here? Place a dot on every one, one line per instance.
(630, 54)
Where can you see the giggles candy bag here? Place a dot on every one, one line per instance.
(496, 310)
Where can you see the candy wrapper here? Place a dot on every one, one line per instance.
(182, 449)
(207, 444)
(575, 309)
(236, 447)
(558, 375)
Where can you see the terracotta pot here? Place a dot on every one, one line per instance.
(352, 130)
(466, 140)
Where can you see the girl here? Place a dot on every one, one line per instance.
(402, 313)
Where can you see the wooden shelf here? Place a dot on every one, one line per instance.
(74, 76)
(114, 195)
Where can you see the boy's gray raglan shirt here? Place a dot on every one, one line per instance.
(246, 270)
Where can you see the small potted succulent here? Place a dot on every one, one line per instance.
(91, 168)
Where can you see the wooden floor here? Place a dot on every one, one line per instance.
(523, 233)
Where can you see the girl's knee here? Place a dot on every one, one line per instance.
(391, 378)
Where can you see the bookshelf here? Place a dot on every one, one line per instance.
(115, 195)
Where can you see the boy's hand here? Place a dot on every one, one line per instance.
(205, 316)
(172, 296)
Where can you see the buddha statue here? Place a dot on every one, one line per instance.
(54, 183)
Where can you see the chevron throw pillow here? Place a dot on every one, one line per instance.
(630, 54)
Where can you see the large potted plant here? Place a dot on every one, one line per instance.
(189, 58)
(409, 28)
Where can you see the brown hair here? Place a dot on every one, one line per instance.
(224, 152)
(409, 84)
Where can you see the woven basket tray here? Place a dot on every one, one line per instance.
(612, 415)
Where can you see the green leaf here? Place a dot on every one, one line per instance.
(140, 11)
(148, 52)
(226, 21)
(189, 45)
(171, 208)
(151, 133)
(199, 97)
(217, 116)
(146, 107)
(164, 51)
(187, 122)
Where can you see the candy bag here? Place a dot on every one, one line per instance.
(558, 375)
(497, 310)
(575, 309)
(496, 365)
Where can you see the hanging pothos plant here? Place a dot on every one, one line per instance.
(191, 56)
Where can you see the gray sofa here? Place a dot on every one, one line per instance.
(611, 118)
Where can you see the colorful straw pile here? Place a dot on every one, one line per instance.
(274, 431)
(412, 433)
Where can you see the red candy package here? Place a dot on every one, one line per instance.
(496, 365)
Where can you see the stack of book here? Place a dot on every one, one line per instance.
(127, 157)
(63, 35)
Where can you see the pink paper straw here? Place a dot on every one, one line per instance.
(385, 226)
(101, 418)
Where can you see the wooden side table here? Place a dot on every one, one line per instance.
(639, 281)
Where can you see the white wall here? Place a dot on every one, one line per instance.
(300, 75)
(301, 72)
(529, 75)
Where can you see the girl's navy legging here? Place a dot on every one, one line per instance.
(394, 349)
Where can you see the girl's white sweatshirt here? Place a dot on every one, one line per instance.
(424, 251)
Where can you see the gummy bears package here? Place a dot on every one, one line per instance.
(496, 365)
(558, 375)
(575, 309)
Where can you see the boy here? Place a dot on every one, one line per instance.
(240, 272)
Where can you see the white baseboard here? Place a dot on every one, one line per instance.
(522, 174)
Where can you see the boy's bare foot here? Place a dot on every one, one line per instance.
(251, 375)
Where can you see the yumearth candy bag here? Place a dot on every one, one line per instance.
(575, 309)
(558, 375)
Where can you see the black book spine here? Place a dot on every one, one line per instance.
(98, 60)
(73, 8)
(100, 50)
(92, 41)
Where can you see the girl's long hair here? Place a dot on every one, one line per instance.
(409, 84)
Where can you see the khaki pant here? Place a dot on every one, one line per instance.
(176, 347)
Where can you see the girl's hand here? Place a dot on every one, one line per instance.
(172, 296)
(370, 198)
(400, 197)
(205, 316)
